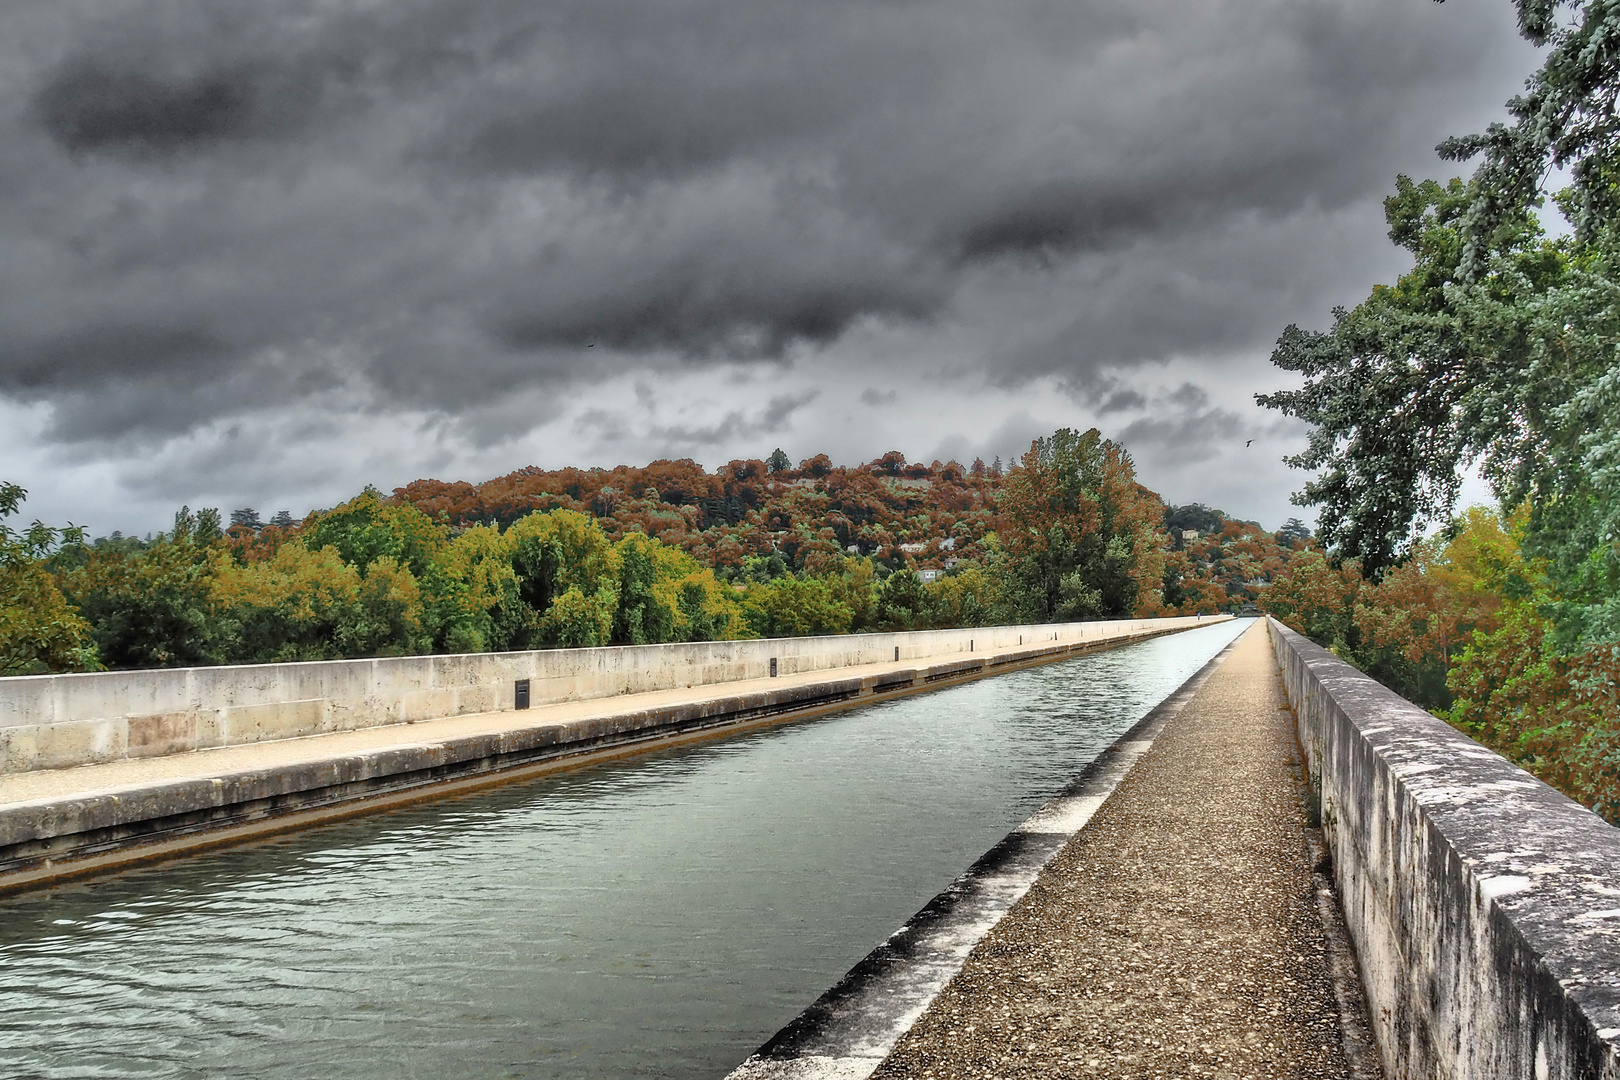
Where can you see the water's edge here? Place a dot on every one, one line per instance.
(92, 832)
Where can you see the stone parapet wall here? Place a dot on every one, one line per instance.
(1484, 906)
(57, 721)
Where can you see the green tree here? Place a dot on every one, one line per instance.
(641, 616)
(40, 631)
(1498, 347)
(702, 609)
(387, 619)
(471, 596)
(1424, 377)
(705, 609)
(778, 461)
(853, 585)
(1081, 539)
(563, 557)
(287, 607)
(577, 619)
(1293, 533)
(902, 602)
(965, 597)
(1565, 119)
(1513, 370)
(369, 527)
(152, 608)
(794, 607)
(558, 550)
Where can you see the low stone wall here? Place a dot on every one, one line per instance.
(1484, 905)
(56, 721)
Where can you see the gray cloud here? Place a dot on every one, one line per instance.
(1122, 401)
(1008, 440)
(87, 108)
(1183, 426)
(89, 355)
(478, 212)
(774, 418)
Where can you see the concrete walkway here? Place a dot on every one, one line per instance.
(1177, 935)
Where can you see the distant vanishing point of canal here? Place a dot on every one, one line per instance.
(660, 915)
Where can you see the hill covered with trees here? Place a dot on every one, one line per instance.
(664, 552)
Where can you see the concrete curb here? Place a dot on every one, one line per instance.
(847, 1032)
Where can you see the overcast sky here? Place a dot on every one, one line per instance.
(264, 254)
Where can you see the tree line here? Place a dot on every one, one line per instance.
(565, 558)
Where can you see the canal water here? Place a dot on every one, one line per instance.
(657, 916)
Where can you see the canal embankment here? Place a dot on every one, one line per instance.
(62, 721)
(363, 735)
(1175, 931)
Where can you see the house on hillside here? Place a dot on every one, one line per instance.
(930, 576)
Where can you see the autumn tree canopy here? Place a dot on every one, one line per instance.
(1081, 538)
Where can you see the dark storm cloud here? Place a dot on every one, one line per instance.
(83, 358)
(1059, 218)
(713, 309)
(87, 108)
(213, 208)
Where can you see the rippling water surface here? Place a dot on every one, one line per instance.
(656, 916)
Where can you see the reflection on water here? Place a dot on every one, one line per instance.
(655, 916)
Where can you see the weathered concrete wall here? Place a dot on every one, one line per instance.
(56, 721)
(1484, 905)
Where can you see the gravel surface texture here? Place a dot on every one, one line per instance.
(1177, 935)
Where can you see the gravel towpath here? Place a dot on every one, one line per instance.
(1177, 935)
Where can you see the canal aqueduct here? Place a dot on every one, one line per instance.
(1483, 907)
